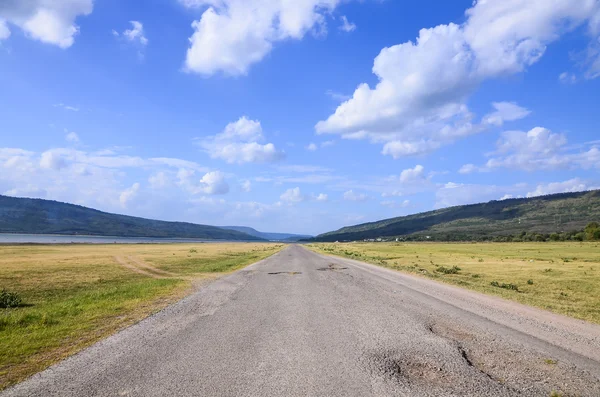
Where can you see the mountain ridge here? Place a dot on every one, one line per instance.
(40, 216)
(560, 212)
(267, 235)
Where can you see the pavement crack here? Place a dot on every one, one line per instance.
(288, 273)
(332, 267)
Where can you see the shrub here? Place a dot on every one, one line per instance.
(193, 250)
(509, 286)
(448, 270)
(554, 237)
(529, 282)
(9, 299)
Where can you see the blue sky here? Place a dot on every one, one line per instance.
(297, 116)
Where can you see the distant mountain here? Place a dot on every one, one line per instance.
(268, 236)
(37, 216)
(546, 214)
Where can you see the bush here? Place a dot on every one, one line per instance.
(448, 270)
(509, 286)
(9, 299)
(529, 282)
(554, 237)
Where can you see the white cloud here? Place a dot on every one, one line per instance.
(67, 107)
(567, 78)
(4, 30)
(211, 183)
(72, 137)
(347, 26)
(413, 175)
(311, 147)
(136, 33)
(51, 22)
(246, 186)
(239, 143)
(452, 194)
(468, 169)
(160, 180)
(129, 194)
(537, 149)
(232, 35)
(572, 185)
(52, 160)
(337, 96)
(395, 204)
(322, 197)
(350, 195)
(419, 102)
(505, 111)
(292, 196)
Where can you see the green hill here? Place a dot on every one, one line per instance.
(267, 235)
(37, 216)
(557, 213)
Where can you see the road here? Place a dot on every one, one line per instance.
(303, 324)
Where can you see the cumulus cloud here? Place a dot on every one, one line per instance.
(135, 34)
(537, 149)
(312, 147)
(346, 25)
(129, 194)
(419, 102)
(412, 175)
(232, 35)
(51, 22)
(4, 30)
(322, 197)
(395, 204)
(292, 196)
(52, 160)
(159, 180)
(567, 78)
(572, 185)
(211, 183)
(239, 143)
(505, 111)
(72, 137)
(246, 186)
(350, 195)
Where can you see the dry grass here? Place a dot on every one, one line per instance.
(560, 277)
(74, 295)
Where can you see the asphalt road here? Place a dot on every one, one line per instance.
(302, 324)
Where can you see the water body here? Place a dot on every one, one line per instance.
(6, 238)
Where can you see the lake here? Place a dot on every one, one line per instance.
(9, 238)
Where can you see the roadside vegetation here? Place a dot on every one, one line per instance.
(563, 277)
(56, 300)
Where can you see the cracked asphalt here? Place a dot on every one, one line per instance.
(304, 324)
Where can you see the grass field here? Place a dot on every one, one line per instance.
(74, 295)
(560, 277)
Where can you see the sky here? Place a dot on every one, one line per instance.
(297, 116)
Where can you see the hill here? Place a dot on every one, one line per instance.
(268, 236)
(37, 216)
(555, 213)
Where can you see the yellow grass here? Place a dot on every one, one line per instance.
(563, 277)
(74, 295)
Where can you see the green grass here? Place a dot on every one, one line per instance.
(74, 295)
(563, 277)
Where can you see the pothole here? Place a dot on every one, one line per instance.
(331, 267)
(288, 273)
